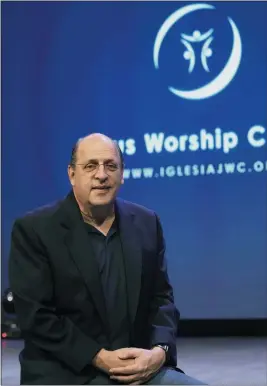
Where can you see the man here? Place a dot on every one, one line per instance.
(90, 285)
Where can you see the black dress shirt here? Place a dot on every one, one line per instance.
(108, 253)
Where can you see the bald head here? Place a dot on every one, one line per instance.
(96, 171)
(90, 142)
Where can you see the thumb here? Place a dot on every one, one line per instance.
(129, 353)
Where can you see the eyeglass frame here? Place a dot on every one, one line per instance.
(98, 164)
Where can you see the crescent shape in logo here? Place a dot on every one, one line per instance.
(229, 70)
(170, 21)
(224, 78)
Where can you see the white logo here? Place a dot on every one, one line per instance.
(228, 72)
(205, 52)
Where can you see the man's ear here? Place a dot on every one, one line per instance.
(122, 179)
(71, 174)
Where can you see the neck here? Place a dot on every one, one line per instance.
(96, 215)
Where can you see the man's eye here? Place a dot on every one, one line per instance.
(90, 166)
(112, 167)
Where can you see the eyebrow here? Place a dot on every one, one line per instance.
(96, 161)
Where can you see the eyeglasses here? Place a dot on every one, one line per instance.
(109, 167)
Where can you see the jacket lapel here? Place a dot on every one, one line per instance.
(132, 254)
(78, 244)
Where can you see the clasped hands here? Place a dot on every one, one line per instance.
(130, 365)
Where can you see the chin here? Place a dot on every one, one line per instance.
(96, 199)
(99, 201)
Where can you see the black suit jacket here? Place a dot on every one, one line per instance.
(58, 296)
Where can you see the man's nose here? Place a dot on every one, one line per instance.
(101, 173)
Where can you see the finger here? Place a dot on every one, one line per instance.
(130, 353)
(127, 370)
(125, 379)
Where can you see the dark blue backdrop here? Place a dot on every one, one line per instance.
(71, 68)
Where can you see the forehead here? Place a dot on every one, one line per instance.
(98, 149)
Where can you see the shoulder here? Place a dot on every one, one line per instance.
(136, 209)
(38, 215)
(145, 219)
(144, 215)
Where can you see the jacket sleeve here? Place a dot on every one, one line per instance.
(31, 282)
(164, 316)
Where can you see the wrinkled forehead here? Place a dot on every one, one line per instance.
(95, 149)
